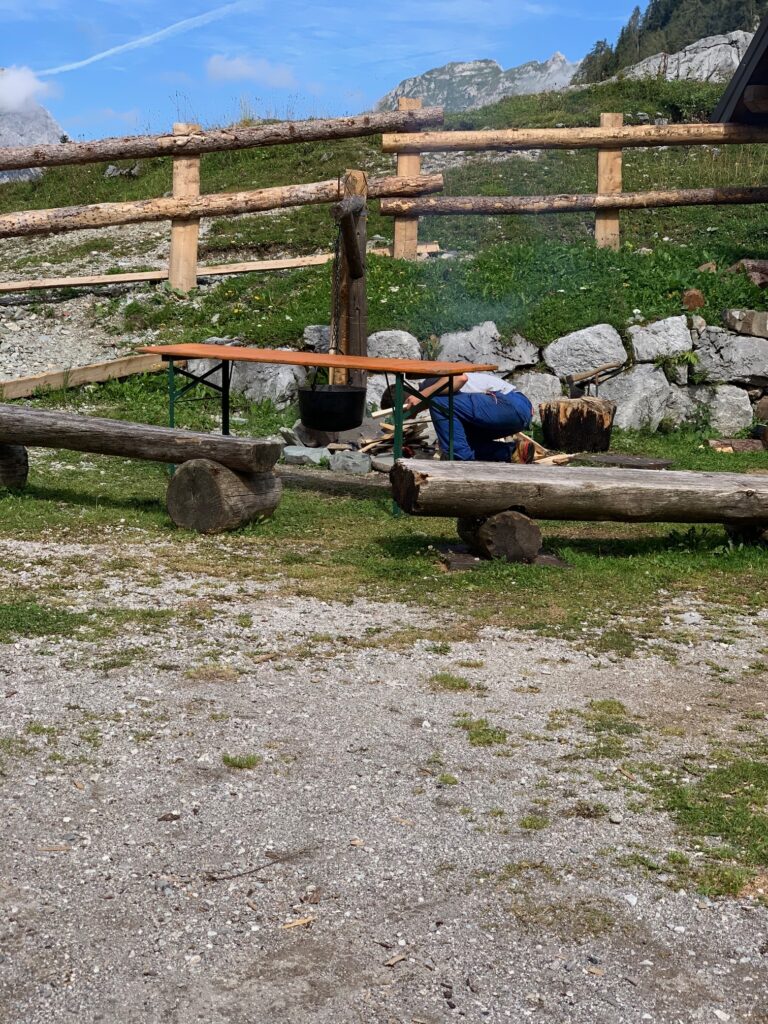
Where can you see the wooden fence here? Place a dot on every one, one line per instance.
(610, 139)
(186, 205)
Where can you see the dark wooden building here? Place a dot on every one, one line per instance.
(746, 98)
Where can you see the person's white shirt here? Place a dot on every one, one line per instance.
(481, 383)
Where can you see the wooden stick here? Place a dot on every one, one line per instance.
(141, 211)
(575, 138)
(241, 137)
(449, 206)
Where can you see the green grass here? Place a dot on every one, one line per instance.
(449, 682)
(480, 732)
(241, 761)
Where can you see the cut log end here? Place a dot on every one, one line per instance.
(577, 424)
(14, 466)
(510, 536)
(209, 498)
(406, 486)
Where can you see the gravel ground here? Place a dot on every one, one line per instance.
(345, 877)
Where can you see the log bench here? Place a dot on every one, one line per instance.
(495, 503)
(221, 483)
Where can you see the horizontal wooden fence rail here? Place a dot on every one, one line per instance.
(449, 206)
(140, 211)
(198, 142)
(576, 138)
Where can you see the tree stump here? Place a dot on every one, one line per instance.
(508, 535)
(14, 466)
(577, 424)
(209, 498)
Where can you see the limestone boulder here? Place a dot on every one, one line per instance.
(724, 358)
(642, 395)
(726, 409)
(393, 345)
(483, 344)
(753, 322)
(268, 382)
(317, 338)
(661, 339)
(538, 387)
(357, 463)
(585, 350)
(298, 455)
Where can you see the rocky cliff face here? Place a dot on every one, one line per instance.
(713, 59)
(467, 86)
(31, 126)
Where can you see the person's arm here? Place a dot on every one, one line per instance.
(458, 383)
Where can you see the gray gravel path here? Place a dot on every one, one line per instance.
(346, 877)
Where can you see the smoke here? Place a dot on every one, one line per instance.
(20, 89)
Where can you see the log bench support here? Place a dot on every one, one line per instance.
(510, 536)
(222, 483)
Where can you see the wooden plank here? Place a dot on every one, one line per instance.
(143, 211)
(93, 373)
(185, 233)
(609, 182)
(217, 141)
(629, 136)
(232, 353)
(288, 263)
(568, 493)
(406, 236)
(38, 428)
(450, 206)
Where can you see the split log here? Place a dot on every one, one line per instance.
(209, 498)
(451, 206)
(577, 424)
(509, 535)
(14, 466)
(219, 141)
(36, 428)
(142, 211)
(570, 493)
(629, 136)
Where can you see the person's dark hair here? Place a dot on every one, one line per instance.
(388, 398)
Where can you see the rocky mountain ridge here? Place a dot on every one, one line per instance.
(474, 84)
(32, 125)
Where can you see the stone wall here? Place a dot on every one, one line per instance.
(676, 372)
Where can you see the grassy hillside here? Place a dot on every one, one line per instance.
(537, 275)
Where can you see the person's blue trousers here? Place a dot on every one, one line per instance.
(478, 421)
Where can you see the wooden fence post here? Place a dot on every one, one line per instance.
(182, 263)
(349, 301)
(609, 181)
(406, 241)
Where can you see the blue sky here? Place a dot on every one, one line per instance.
(117, 67)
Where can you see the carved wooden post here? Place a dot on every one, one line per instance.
(607, 226)
(406, 240)
(182, 269)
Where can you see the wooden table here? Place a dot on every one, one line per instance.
(225, 355)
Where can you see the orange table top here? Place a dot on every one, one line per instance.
(234, 353)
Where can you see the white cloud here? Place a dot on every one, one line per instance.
(232, 69)
(20, 89)
(155, 37)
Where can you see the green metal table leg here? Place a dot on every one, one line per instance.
(399, 416)
(171, 394)
(226, 368)
(450, 419)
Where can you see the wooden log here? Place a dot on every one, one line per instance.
(450, 206)
(510, 536)
(14, 466)
(406, 233)
(627, 137)
(218, 141)
(355, 244)
(142, 211)
(374, 485)
(609, 179)
(207, 497)
(37, 428)
(185, 234)
(93, 373)
(569, 493)
(577, 424)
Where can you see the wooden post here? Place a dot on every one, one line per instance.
(407, 228)
(349, 293)
(182, 270)
(355, 184)
(607, 226)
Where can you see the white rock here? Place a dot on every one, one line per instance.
(356, 463)
(393, 345)
(317, 338)
(663, 338)
(585, 350)
(642, 395)
(728, 408)
(483, 344)
(728, 358)
(298, 455)
(712, 59)
(538, 387)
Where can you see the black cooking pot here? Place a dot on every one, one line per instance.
(332, 407)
